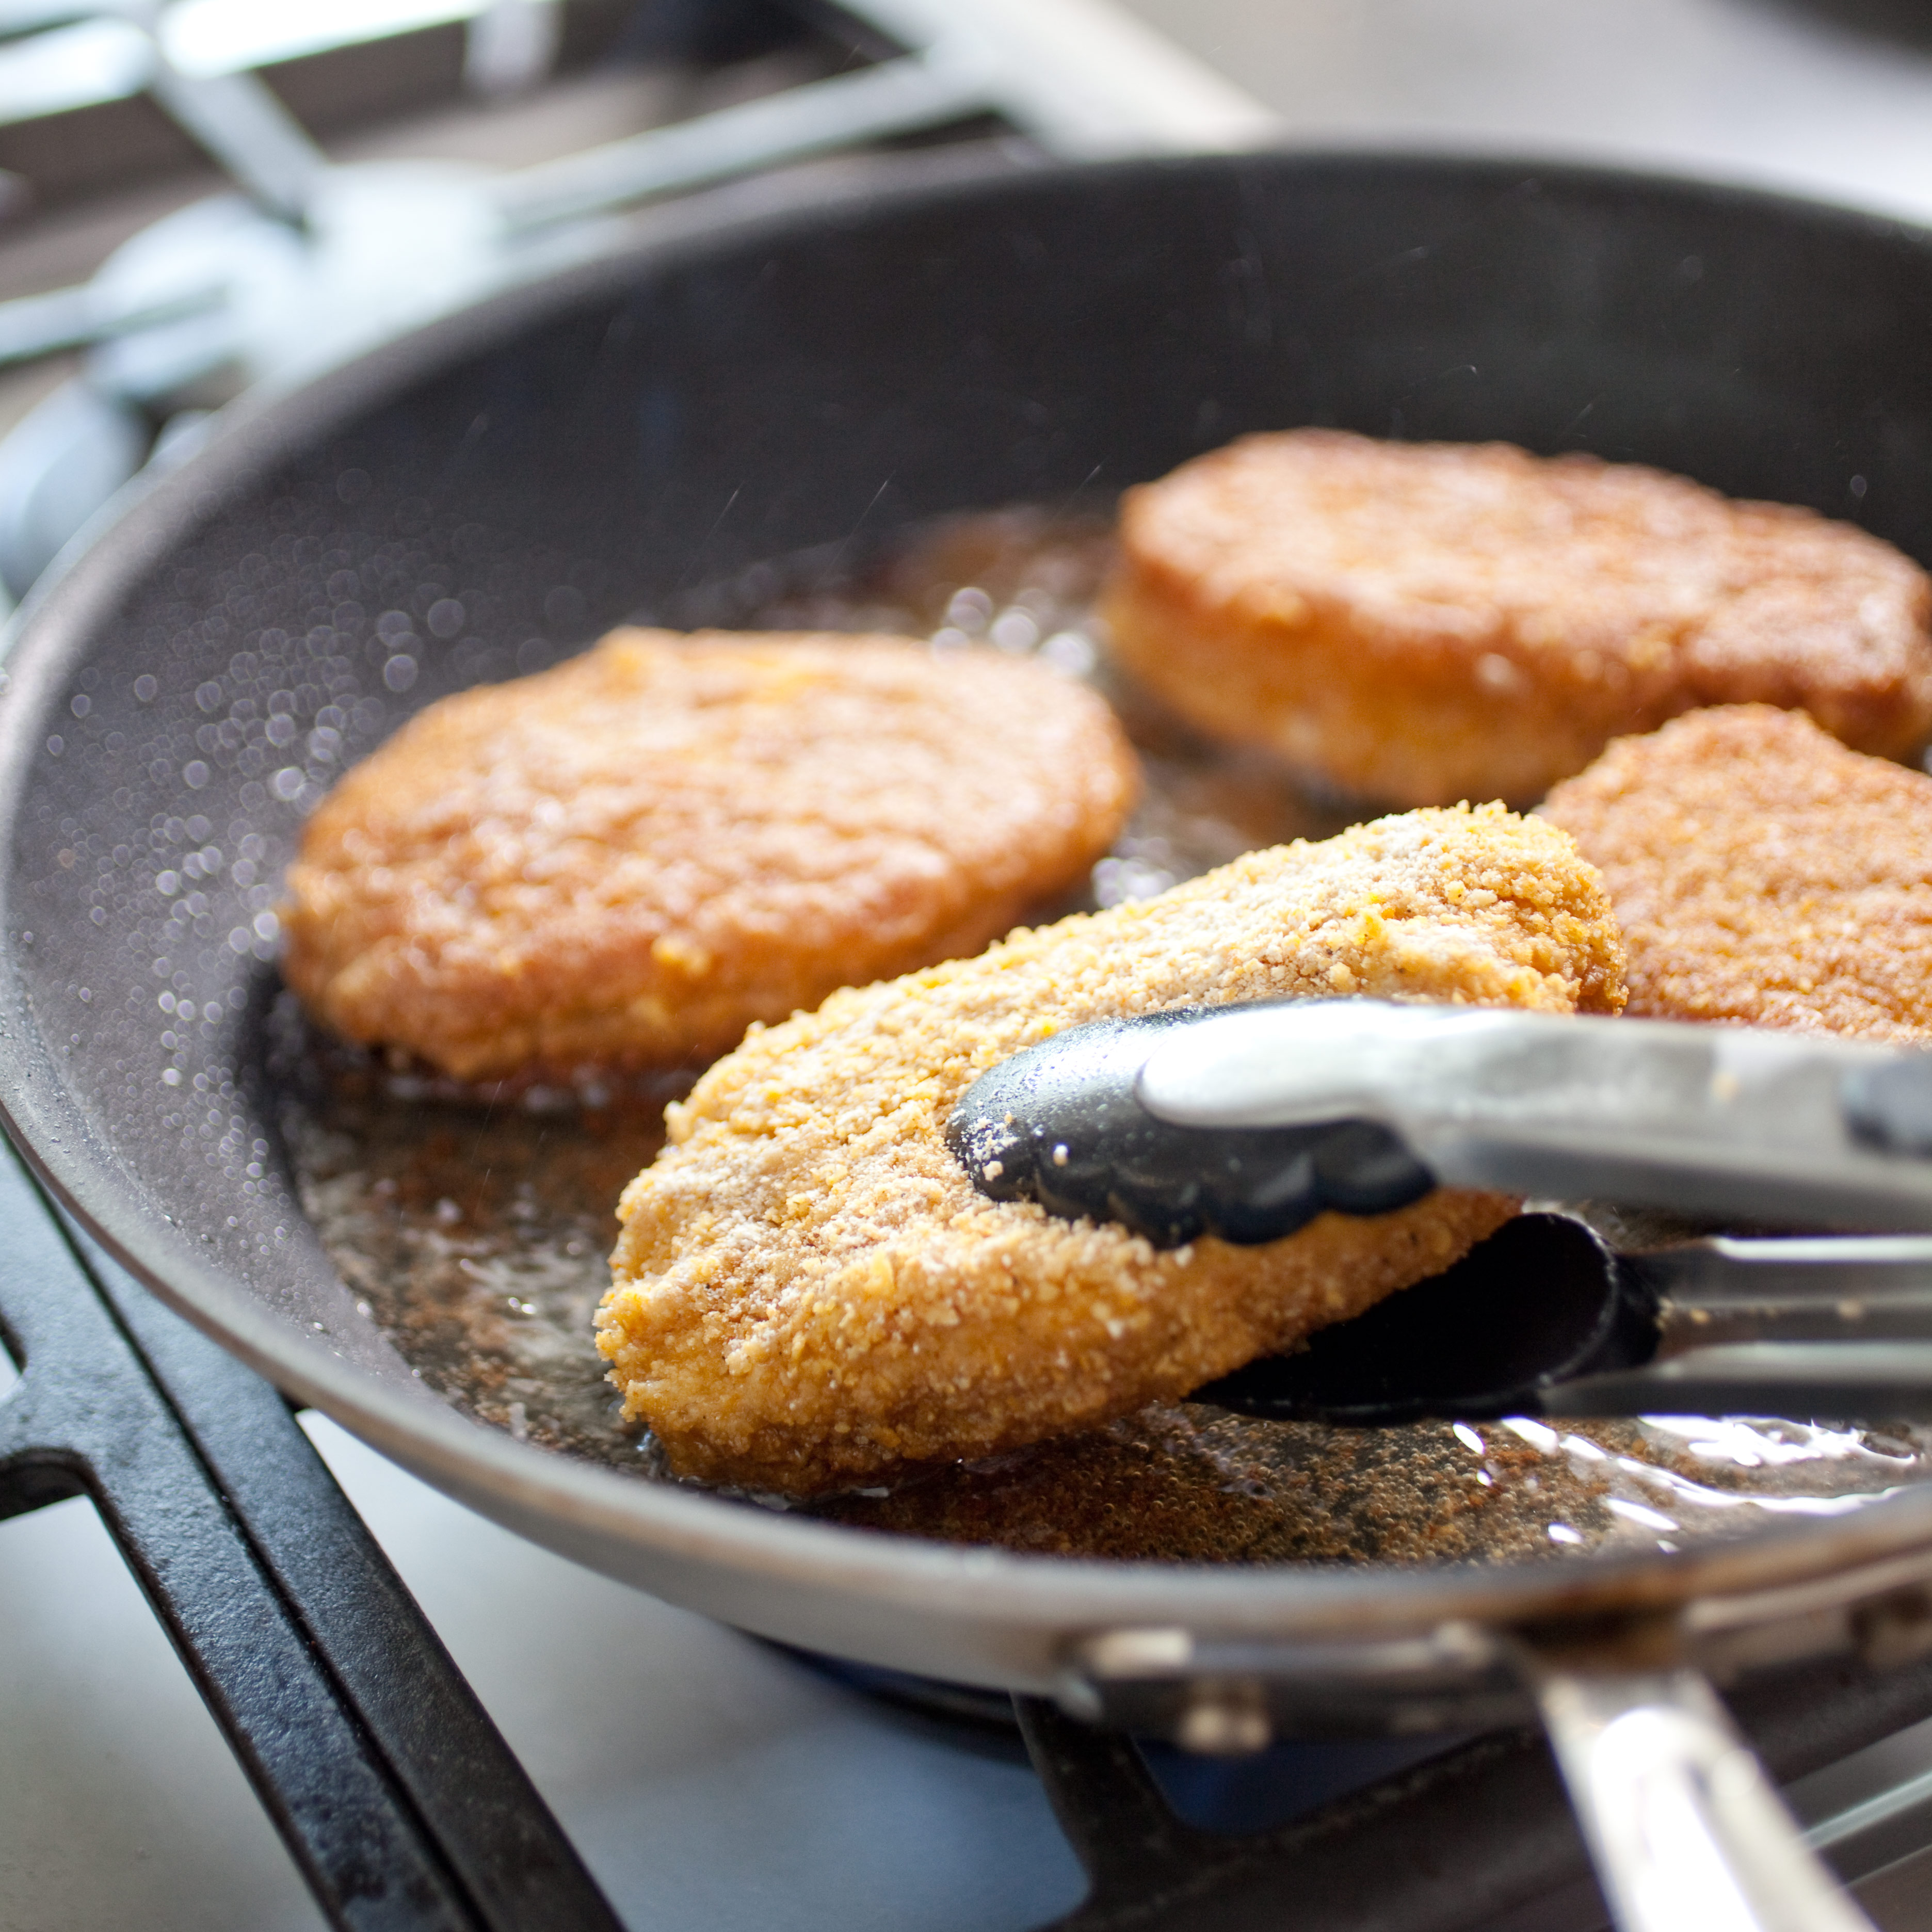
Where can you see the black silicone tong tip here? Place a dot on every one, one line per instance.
(1542, 1301)
(1058, 1123)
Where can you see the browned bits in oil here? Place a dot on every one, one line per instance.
(1186, 1482)
(1423, 622)
(1763, 873)
(625, 861)
(1189, 1483)
(477, 1237)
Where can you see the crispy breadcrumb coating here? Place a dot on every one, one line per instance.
(1425, 622)
(1762, 873)
(624, 861)
(809, 1290)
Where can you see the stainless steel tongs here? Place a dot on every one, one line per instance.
(1718, 1121)
(1246, 1121)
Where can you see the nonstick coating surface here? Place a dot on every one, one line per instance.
(824, 375)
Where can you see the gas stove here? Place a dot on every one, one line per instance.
(394, 1713)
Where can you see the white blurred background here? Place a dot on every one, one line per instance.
(1831, 97)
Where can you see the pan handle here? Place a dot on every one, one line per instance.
(1687, 1832)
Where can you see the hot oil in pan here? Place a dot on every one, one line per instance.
(476, 1237)
(476, 1234)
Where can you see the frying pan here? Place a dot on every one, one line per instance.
(767, 376)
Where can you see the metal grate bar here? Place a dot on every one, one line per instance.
(897, 97)
(393, 1791)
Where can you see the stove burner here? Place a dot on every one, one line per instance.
(967, 1714)
(1254, 1792)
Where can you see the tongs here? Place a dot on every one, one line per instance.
(1245, 1122)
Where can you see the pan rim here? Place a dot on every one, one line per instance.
(1002, 1587)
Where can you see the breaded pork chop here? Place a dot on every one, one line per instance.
(1762, 873)
(626, 860)
(809, 1290)
(1425, 622)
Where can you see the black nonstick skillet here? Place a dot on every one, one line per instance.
(762, 377)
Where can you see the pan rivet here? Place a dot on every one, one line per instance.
(1225, 1720)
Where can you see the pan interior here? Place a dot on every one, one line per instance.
(474, 1229)
(644, 441)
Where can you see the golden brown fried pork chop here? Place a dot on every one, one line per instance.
(625, 860)
(1427, 622)
(810, 1292)
(1761, 872)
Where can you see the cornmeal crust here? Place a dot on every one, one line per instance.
(625, 861)
(1762, 873)
(1425, 622)
(809, 1292)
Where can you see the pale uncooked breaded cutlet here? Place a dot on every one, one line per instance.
(809, 1291)
(623, 862)
(1425, 622)
(1762, 873)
